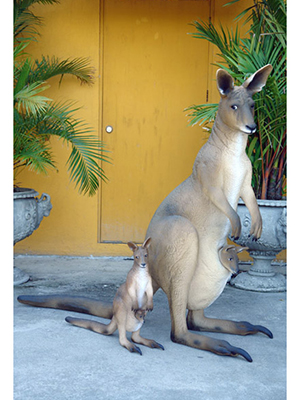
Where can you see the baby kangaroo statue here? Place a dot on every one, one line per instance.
(229, 259)
(133, 300)
(194, 220)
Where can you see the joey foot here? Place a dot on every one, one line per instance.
(133, 348)
(137, 338)
(156, 345)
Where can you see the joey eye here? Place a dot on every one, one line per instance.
(234, 107)
(146, 255)
(230, 258)
(137, 257)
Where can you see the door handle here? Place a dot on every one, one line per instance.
(109, 129)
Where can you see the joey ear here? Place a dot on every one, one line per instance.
(229, 247)
(258, 80)
(225, 82)
(239, 249)
(146, 243)
(132, 246)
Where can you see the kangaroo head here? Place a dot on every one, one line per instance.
(236, 107)
(140, 315)
(140, 253)
(229, 259)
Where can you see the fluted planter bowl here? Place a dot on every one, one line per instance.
(28, 214)
(261, 276)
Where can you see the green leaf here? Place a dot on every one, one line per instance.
(27, 99)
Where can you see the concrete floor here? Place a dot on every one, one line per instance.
(55, 360)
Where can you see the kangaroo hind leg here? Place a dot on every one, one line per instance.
(177, 296)
(125, 342)
(197, 321)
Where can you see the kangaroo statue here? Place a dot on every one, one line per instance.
(133, 300)
(189, 229)
(194, 220)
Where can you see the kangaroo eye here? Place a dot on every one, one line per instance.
(234, 107)
(252, 105)
(146, 255)
(137, 257)
(230, 258)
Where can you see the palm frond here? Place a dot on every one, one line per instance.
(25, 22)
(202, 114)
(87, 151)
(49, 67)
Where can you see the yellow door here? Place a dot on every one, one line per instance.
(151, 71)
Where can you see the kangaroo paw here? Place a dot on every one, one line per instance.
(225, 349)
(252, 329)
(220, 347)
(196, 321)
(137, 338)
(134, 349)
(155, 345)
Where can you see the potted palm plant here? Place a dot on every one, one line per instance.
(37, 119)
(265, 43)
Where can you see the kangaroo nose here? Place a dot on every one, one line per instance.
(143, 265)
(251, 128)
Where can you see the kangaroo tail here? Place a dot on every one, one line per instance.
(70, 303)
(94, 325)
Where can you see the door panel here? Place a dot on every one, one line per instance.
(152, 70)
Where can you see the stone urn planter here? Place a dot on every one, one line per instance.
(28, 214)
(261, 276)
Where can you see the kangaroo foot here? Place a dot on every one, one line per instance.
(150, 343)
(252, 329)
(137, 338)
(196, 321)
(132, 348)
(155, 345)
(220, 347)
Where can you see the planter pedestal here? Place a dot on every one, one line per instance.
(28, 214)
(20, 276)
(261, 277)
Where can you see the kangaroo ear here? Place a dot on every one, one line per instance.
(132, 246)
(147, 243)
(258, 80)
(225, 82)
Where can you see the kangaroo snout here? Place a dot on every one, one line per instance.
(251, 128)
